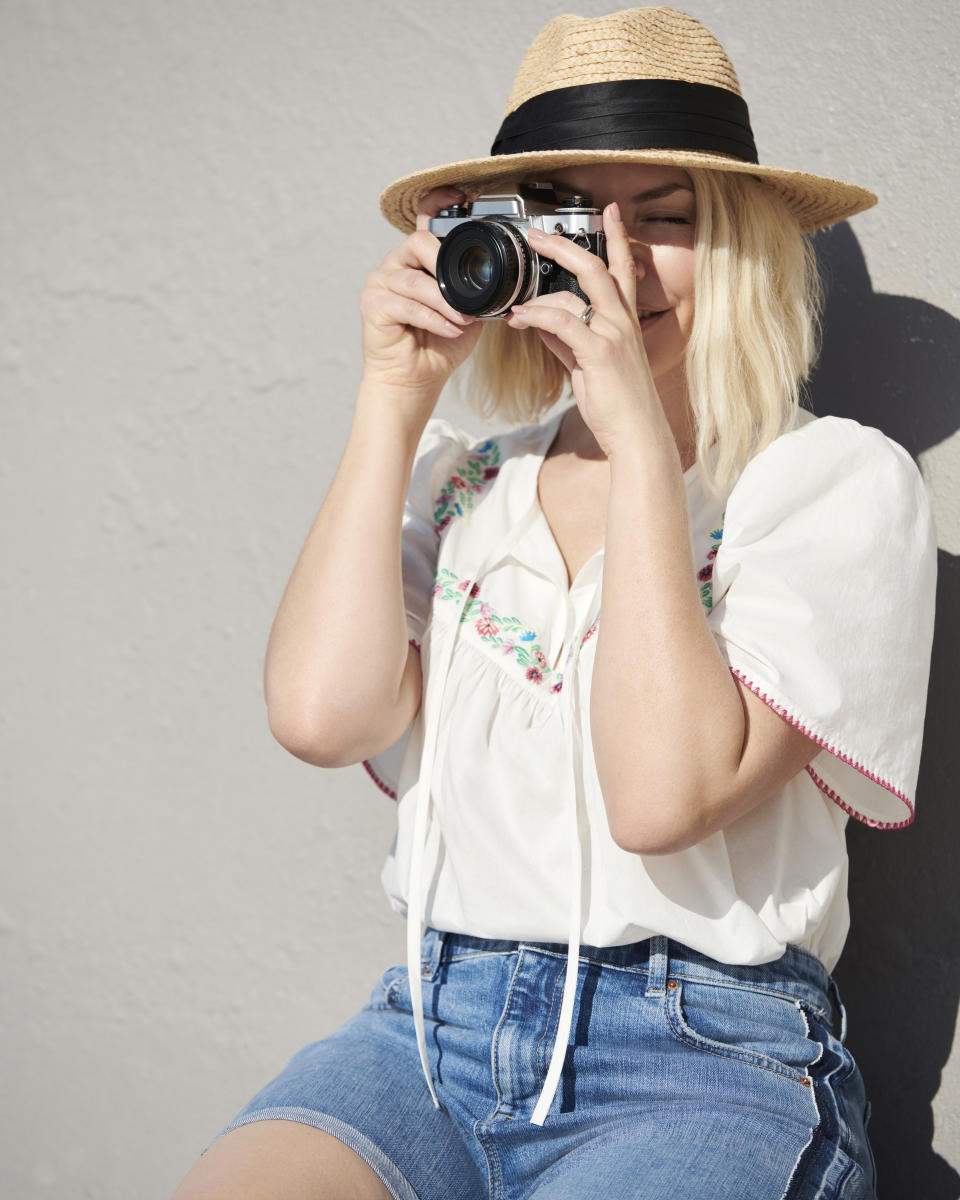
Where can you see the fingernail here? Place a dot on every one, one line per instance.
(614, 210)
(536, 235)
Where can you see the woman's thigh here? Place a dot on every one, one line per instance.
(361, 1086)
(281, 1160)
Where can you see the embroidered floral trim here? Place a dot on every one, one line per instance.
(512, 636)
(705, 574)
(462, 488)
(837, 753)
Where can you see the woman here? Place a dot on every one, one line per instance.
(623, 829)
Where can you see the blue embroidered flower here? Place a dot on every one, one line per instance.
(528, 636)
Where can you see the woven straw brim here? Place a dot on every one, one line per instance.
(815, 200)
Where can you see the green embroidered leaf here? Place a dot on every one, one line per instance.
(462, 489)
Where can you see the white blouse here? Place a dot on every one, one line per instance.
(817, 575)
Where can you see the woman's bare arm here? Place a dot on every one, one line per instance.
(340, 680)
(682, 749)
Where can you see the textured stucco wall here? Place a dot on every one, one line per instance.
(189, 209)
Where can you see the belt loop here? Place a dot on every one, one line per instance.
(659, 966)
(431, 951)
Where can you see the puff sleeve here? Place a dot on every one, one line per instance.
(441, 448)
(823, 591)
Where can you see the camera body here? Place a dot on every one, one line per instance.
(486, 264)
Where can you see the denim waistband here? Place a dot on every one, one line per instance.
(796, 973)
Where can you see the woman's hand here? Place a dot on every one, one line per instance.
(413, 339)
(608, 366)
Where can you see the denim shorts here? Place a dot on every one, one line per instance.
(684, 1077)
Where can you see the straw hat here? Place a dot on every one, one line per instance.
(645, 85)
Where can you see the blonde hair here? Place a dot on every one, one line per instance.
(753, 342)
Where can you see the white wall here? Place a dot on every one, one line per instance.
(189, 207)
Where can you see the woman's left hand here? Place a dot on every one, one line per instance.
(608, 366)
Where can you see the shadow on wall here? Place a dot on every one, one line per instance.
(893, 362)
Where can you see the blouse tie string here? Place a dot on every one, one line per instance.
(569, 708)
(417, 876)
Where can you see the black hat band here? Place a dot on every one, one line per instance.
(631, 114)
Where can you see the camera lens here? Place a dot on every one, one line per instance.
(476, 269)
(483, 267)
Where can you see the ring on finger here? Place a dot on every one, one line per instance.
(586, 316)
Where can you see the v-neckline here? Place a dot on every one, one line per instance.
(551, 432)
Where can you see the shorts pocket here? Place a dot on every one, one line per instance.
(748, 1025)
(392, 991)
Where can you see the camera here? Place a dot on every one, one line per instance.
(485, 263)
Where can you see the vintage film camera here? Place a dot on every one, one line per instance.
(486, 264)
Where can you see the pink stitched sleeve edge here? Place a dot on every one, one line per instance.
(383, 786)
(837, 753)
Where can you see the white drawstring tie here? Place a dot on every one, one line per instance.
(418, 873)
(571, 737)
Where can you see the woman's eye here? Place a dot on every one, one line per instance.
(669, 220)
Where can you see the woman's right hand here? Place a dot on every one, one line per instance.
(412, 339)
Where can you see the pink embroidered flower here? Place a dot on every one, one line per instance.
(445, 498)
(486, 628)
(491, 472)
(705, 573)
(476, 487)
(540, 657)
(437, 589)
(444, 523)
(457, 481)
(485, 609)
(464, 585)
(474, 590)
(557, 686)
(712, 552)
(534, 675)
(509, 647)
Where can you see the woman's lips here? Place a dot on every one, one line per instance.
(648, 317)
